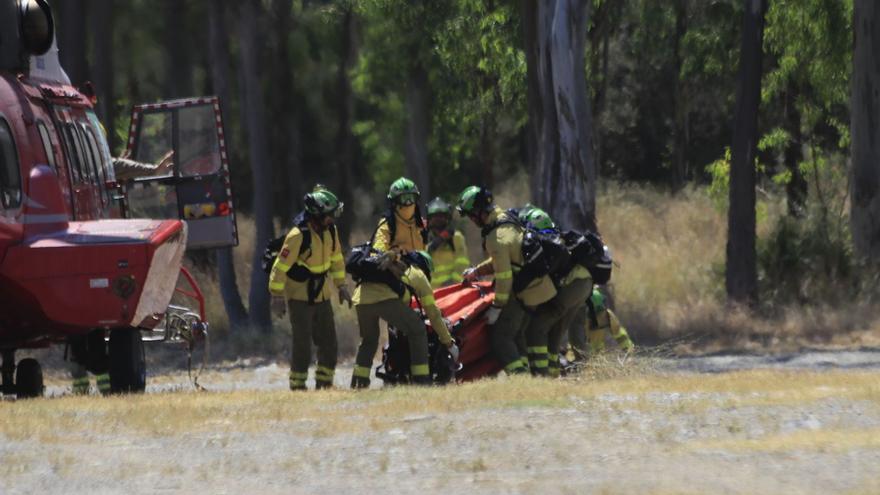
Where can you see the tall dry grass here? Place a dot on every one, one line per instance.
(667, 286)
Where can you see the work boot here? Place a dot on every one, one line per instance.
(103, 382)
(298, 380)
(424, 380)
(358, 382)
(324, 377)
(81, 385)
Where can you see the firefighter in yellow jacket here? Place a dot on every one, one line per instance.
(446, 245)
(389, 301)
(545, 331)
(516, 296)
(402, 228)
(311, 255)
(601, 320)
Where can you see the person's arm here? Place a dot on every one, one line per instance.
(417, 280)
(461, 254)
(337, 263)
(285, 260)
(500, 253)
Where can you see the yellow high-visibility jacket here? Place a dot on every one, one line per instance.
(319, 258)
(372, 292)
(450, 259)
(504, 246)
(407, 235)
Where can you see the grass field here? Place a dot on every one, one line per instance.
(609, 430)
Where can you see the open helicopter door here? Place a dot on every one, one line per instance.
(178, 168)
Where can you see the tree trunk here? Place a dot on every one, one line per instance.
(178, 59)
(345, 142)
(287, 152)
(679, 160)
(253, 117)
(741, 271)
(418, 126)
(564, 181)
(72, 40)
(103, 72)
(865, 131)
(218, 39)
(796, 189)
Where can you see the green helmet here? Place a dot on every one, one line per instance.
(474, 199)
(422, 260)
(537, 219)
(439, 207)
(322, 202)
(404, 191)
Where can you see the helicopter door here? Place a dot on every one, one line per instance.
(179, 169)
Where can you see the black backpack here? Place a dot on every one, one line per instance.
(589, 251)
(536, 260)
(363, 265)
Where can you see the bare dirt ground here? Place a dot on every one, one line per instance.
(800, 423)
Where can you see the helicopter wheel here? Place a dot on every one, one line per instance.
(128, 367)
(28, 379)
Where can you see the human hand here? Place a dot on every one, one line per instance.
(345, 296)
(492, 314)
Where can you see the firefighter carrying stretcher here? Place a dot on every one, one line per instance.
(517, 292)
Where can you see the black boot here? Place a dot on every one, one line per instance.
(359, 382)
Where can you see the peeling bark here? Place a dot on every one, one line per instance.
(559, 111)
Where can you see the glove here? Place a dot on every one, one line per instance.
(279, 305)
(344, 296)
(470, 275)
(492, 314)
(454, 352)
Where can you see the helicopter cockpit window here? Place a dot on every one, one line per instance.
(10, 175)
(156, 143)
(199, 147)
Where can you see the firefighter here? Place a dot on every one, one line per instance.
(401, 228)
(446, 245)
(601, 320)
(545, 331)
(375, 300)
(516, 293)
(311, 255)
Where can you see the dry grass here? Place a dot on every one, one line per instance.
(339, 412)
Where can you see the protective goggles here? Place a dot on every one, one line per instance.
(407, 199)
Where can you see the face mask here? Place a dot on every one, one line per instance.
(406, 212)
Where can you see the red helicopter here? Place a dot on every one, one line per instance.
(91, 246)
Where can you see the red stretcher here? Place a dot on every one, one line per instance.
(464, 306)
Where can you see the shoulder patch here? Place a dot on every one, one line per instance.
(284, 253)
